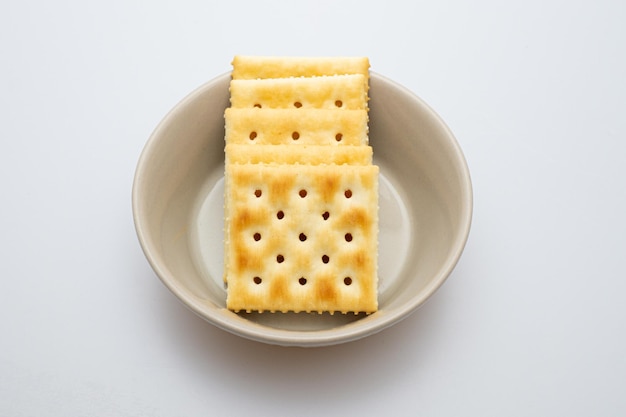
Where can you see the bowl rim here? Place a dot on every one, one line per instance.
(374, 323)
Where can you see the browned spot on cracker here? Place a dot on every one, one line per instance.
(280, 187)
(247, 217)
(328, 186)
(326, 290)
(245, 259)
(369, 181)
(360, 259)
(278, 289)
(356, 218)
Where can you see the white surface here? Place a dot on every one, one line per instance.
(531, 322)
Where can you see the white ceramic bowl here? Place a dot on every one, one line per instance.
(425, 213)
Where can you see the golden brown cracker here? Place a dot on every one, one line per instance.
(296, 126)
(326, 92)
(256, 67)
(301, 238)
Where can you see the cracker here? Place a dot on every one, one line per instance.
(296, 126)
(304, 154)
(287, 251)
(326, 92)
(254, 67)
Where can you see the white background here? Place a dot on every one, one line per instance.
(531, 322)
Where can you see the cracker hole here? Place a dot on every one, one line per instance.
(348, 193)
(257, 236)
(302, 280)
(257, 280)
(252, 135)
(280, 259)
(325, 215)
(295, 136)
(302, 193)
(302, 237)
(347, 280)
(325, 259)
(338, 103)
(348, 237)
(280, 215)
(258, 193)
(297, 104)
(257, 105)
(338, 137)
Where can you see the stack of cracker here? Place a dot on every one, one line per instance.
(301, 196)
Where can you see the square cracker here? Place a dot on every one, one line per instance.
(304, 154)
(253, 67)
(326, 92)
(291, 251)
(296, 126)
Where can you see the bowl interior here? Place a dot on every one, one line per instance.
(425, 213)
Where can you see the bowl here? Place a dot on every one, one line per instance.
(425, 198)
